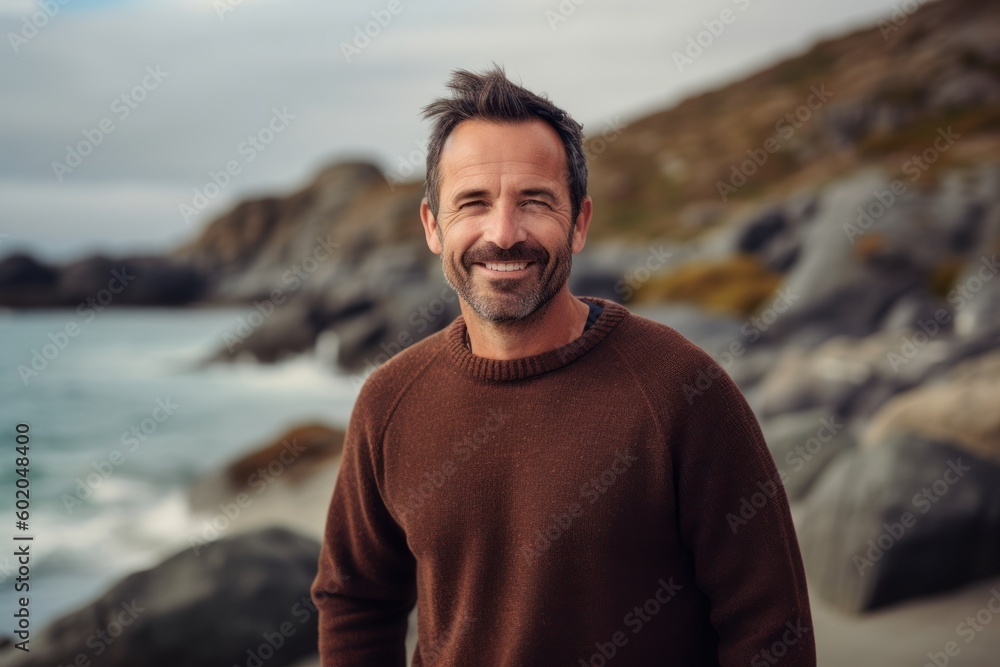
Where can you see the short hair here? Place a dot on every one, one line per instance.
(491, 96)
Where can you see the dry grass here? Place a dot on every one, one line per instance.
(738, 285)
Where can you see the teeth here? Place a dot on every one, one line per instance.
(506, 266)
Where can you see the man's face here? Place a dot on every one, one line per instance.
(503, 227)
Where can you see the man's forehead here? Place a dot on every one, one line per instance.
(478, 147)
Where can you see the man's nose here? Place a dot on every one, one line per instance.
(505, 225)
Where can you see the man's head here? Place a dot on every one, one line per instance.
(506, 181)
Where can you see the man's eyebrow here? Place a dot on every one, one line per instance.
(480, 193)
(462, 195)
(540, 192)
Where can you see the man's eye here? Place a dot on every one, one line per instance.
(478, 202)
(537, 202)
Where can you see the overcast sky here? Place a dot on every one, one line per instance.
(163, 92)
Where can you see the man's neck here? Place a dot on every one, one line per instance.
(559, 322)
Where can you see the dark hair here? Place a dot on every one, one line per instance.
(491, 96)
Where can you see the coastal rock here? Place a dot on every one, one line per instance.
(907, 518)
(26, 282)
(827, 376)
(269, 333)
(803, 445)
(241, 598)
(287, 482)
(23, 270)
(961, 409)
(297, 452)
(977, 298)
(854, 377)
(133, 281)
(407, 316)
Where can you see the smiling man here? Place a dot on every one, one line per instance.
(538, 478)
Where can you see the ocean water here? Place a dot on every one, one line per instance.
(131, 381)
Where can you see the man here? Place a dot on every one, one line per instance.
(547, 479)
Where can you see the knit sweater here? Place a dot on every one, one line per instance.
(611, 501)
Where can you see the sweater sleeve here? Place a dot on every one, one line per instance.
(734, 517)
(365, 585)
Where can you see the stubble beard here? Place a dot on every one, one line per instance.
(508, 300)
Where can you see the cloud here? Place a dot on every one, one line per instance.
(227, 73)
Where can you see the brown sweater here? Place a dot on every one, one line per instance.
(611, 502)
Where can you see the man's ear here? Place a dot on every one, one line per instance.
(582, 224)
(430, 227)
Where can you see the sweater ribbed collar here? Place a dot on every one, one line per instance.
(505, 370)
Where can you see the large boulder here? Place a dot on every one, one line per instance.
(907, 518)
(804, 444)
(961, 409)
(237, 598)
(287, 482)
(856, 376)
(875, 254)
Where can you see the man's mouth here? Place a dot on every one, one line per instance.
(504, 267)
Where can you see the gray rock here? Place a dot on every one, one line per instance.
(907, 518)
(269, 335)
(803, 445)
(976, 297)
(865, 259)
(358, 341)
(761, 231)
(201, 610)
(20, 270)
(133, 281)
(402, 319)
(961, 408)
(26, 282)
